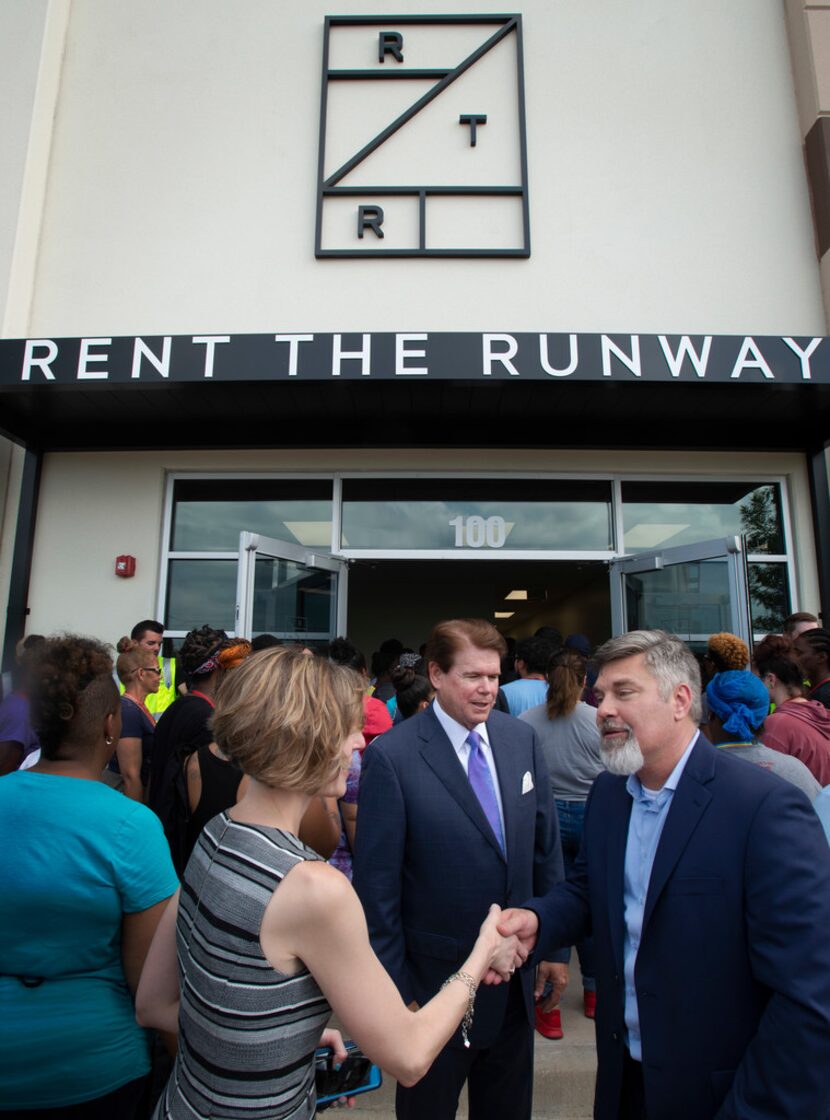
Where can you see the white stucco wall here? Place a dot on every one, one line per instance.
(94, 507)
(21, 33)
(666, 180)
(176, 171)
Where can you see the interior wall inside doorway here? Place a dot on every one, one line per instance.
(405, 598)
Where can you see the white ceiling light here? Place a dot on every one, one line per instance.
(504, 614)
(517, 595)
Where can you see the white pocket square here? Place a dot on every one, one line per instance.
(527, 782)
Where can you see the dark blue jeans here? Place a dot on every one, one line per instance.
(571, 820)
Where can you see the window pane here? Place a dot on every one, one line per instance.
(485, 514)
(209, 515)
(200, 593)
(690, 600)
(665, 514)
(769, 597)
(292, 601)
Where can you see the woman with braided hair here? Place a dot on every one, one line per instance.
(181, 730)
(813, 647)
(86, 877)
(799, 726)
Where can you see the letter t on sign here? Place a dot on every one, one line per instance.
(473, 119)
(390, 42)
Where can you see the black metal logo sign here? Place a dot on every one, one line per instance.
(422, 138)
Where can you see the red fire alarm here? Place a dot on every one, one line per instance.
(125, 566)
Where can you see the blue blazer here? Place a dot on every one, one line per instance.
(427, 865)
(733, 968)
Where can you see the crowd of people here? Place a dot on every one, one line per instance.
(214, 850)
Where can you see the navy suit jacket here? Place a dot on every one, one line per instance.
(427, 865)
(733, 967)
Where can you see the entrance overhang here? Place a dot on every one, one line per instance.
(416, 390)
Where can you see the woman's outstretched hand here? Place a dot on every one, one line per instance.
(506, 953)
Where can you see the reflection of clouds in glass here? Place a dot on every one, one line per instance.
(202, 526)
(701, 521)
(426, 524)
(201, 592)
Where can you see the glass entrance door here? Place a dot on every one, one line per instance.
(289, 591)
(692, 591)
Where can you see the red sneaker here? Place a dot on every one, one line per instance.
(589, 1002)
(549, 1023)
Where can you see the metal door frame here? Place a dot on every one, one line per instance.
(252, 545)
(730, 549)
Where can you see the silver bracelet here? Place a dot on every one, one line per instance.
(471, 986)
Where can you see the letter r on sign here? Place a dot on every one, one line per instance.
(390, 42)
(370, 217)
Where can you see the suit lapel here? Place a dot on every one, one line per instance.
(615, 832)
(688, 805)
(510, 772)
(438, 753)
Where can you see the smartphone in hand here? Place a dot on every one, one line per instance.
(356, 1075)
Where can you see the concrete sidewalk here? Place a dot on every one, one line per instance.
(564, 1071)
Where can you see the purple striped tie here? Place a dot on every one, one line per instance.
(482, 782)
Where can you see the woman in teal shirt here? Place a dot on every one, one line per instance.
(85, 878)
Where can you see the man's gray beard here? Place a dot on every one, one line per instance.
(624, 760)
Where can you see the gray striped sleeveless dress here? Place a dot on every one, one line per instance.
(247, 1033)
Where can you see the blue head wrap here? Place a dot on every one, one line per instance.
(739, 700)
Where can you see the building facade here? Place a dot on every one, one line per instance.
(352, 317)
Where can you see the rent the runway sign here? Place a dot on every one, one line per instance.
(441, 356)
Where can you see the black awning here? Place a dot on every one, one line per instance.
(352, 413)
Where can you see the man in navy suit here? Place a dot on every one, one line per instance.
(706, 882)
(456, 813)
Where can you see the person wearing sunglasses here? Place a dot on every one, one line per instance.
(139, 673)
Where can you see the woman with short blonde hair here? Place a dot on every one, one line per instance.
(266, 938)
(139, 673)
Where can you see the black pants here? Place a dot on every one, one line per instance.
(120, 1104)
(499, 1079)
(632, 1095)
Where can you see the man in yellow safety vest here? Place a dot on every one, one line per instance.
(148, 633)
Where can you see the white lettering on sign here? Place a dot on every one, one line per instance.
(751, 357)
(142, 350)
(686, 349)
(339, 355)
(803, 355)
(489, 355)
(86, 356)
(401, 354)
(610, 348)
(294, 341)
(476, 531)
(44, 361)
(545, 361)
(209, 341)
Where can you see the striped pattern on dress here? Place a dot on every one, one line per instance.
(247, 1033)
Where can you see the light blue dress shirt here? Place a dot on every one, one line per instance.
(457, 735)
(649, 811)
(822, 808)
